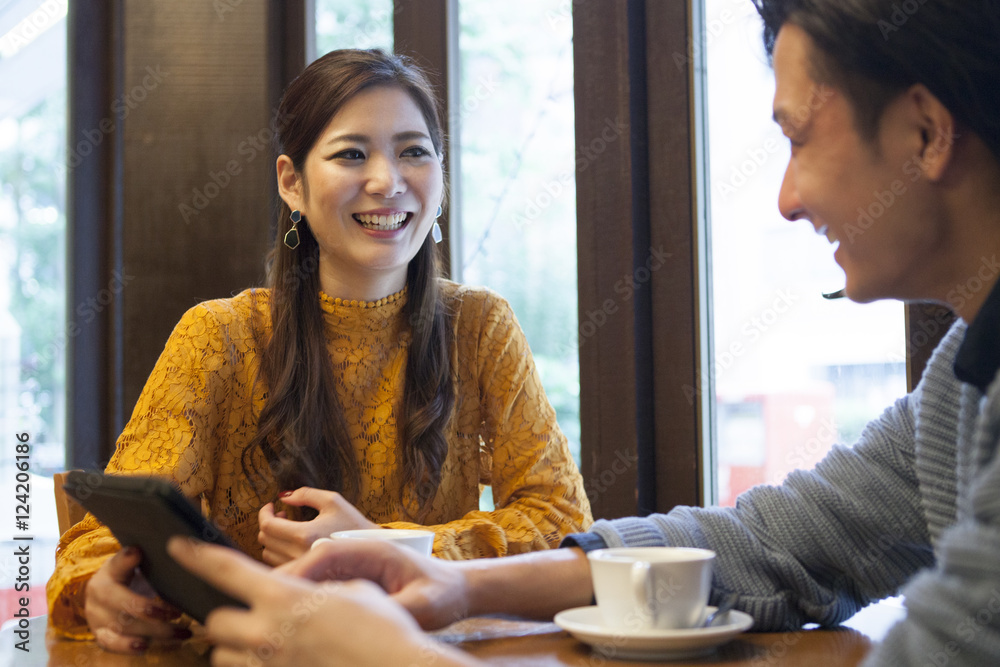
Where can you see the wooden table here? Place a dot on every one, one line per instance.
(513, 643)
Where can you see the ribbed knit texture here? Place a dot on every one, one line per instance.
(920, 490)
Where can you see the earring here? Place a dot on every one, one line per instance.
(292, 235)
(436, 229)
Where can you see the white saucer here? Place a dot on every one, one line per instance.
(586, 625)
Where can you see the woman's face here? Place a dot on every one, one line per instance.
(370, 189)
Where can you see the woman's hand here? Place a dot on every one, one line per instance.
(284, 539)
(123, 620)
(436, 592)
(293, 621)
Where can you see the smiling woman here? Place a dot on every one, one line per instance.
(369, 191)
(359, 390)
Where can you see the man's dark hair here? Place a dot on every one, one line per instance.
(873, 50)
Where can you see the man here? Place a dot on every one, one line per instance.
(875, 96)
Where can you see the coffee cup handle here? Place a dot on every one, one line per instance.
(642, 589)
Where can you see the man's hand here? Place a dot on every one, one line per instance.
(434, 591)
(293, 622)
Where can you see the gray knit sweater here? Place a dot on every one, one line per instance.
(916, 499)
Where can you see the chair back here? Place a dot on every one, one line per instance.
(68, 511)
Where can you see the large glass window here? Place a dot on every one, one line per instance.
(792, 373)
(516, 226)
(33, 333)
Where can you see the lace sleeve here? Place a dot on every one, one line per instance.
(175, 420)
(537, 489)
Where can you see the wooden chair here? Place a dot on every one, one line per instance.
(68, 511)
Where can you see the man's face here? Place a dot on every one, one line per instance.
(868, 199)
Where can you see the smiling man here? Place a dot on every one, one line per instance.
(893, 113)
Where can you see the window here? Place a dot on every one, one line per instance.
(517, 223)
(350, 24)
(792, 373)
(32, 273)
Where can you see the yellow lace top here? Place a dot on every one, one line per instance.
(199, 409)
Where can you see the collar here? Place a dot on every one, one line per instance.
(384, 315)
(978, 358)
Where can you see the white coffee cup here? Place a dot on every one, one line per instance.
(642, 588)
(421, 541)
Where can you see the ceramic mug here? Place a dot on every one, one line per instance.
(643, 588)
(421, 541)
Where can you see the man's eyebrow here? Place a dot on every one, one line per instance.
(364, 139)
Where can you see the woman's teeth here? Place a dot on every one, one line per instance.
(382, 222)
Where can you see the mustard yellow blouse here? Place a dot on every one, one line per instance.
(199, 411)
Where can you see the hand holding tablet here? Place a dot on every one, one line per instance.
(146, 512)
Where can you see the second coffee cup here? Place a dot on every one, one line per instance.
(642, 588)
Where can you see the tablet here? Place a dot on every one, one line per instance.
(146, 512)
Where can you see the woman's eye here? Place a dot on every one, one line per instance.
(350, 154)
(416, 151)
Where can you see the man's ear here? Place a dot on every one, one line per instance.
(289, 183)
(938, 129)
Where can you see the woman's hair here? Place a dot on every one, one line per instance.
(873, 50)
(301, 431)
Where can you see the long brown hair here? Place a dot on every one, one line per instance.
(301, 430)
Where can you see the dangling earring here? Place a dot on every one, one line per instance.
(292, 235)
(436, 229)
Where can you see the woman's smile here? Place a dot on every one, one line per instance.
(383, 220)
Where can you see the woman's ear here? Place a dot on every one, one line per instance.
(289, 183)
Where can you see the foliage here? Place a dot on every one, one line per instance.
(33, 231)
(518, 198)
(349, 24)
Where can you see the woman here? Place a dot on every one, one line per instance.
(359, 390)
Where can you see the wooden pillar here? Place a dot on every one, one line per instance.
(175, 202)
(637, 257)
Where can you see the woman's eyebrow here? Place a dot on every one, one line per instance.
(349, 138)
(408, 135)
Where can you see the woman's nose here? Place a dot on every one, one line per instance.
(384, 178)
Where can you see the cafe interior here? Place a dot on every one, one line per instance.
(611, 170)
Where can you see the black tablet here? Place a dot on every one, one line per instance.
(146, 512)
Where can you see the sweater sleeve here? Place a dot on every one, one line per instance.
(168, 435)
(538, 491)
(953, 610)
(823, 544)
